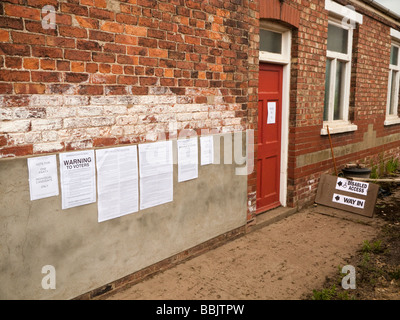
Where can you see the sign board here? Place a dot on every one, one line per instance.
(348, 195)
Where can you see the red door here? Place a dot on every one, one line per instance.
(269, 136)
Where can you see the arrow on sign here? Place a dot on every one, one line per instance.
(337, 198)
(340, 183)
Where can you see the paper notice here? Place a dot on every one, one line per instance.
(188, 159)
(156, 173)
(43, 179)
(206, 150)
(117, 182)
(271, 113)
(78, 180)
(348, 201)
(352, 186)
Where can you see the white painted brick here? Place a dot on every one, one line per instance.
(165, 117)
(116, 109)
(216, 123)
(73, 134)
(61, 112)
(117, 131)
(135, 130)
(76, 100)
(98, 132)
(215, 115)
(228, 114)
(26, 113)
(90, 111)
(200, 115)
(156, 99)
(126, 120)
(184, 116)
(101, 121)
(15, 126)
(231, 121)
(6, 114)
(16, 138)
(48, 136)
(80, 145)
(40, 100)
(103, 100)
(138, 108)
(46, 124)
(191, 107)
(184, 99)
(125, 100)
(48, 147)
(76, 123)
(33, 137)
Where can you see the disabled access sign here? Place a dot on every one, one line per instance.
(349, 195)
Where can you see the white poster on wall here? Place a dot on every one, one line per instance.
(156, 173)
(188, 159)
(78, 180)
(43, 179)
(206, 150)
(117, 182)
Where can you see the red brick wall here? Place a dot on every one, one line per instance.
(113, 71)
(371, 52)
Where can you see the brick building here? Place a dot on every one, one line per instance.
(95, 74)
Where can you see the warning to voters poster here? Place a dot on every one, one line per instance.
(78, 180)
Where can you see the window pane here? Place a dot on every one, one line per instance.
(393, 109)
(327, 86)
(270, 41)
(337, 39)
(394, 55)
(337, 112)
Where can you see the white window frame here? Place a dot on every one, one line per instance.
(342, 125)
(284, 56)
(393, 118)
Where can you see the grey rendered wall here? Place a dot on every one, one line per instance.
(87, 254)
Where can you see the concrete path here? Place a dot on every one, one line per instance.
(283, 260)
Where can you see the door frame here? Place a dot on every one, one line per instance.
(282, 59)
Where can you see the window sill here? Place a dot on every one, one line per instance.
(391, 121)
(338, 127)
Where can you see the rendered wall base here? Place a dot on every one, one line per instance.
(88, 255)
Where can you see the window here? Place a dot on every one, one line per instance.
(337, 78)
(270, 41)
(274, 43)
(392, 109)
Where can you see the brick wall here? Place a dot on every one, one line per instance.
(122, 72)
(116, 72)
(370, 67)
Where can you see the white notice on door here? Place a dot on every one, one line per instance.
(348, 201)
(352, 186)
(271, 113)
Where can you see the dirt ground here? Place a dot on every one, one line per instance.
(377, 262)
(285, 260)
